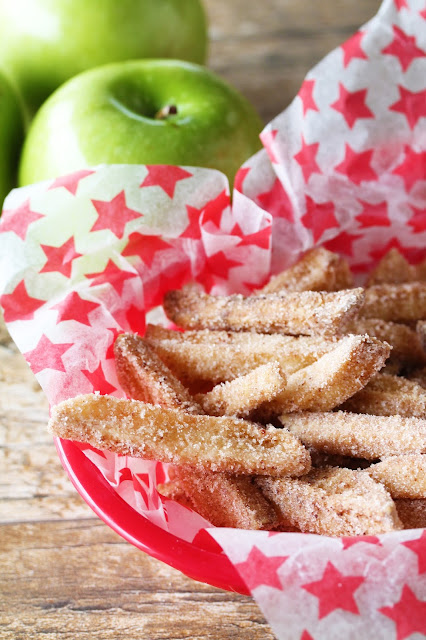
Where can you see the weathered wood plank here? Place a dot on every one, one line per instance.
(69, 580)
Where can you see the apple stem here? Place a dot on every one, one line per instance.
(165, 112)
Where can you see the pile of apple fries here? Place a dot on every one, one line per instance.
(299, 408)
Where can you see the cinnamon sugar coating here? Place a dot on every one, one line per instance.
(333, 502)
(295, 313)
(144, 376)
(403, 476)
(358, 435)
(132, 427)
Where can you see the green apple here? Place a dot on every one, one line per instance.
(11, 136)
(141, 112)
(43, 43)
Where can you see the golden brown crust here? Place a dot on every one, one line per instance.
(296, 313)
(131, 427)
(333, 502)
(241, 396)
(218, 356)
(388, 395)
(393, 268)
(405, 343)
(144, 376)
(226, 500)
(395, 302)
(358, 435)
(403, 476)
(317, 270)
(333, 378)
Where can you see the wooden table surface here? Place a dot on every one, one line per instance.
(63, 573)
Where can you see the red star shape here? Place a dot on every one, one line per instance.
(165, 177)
(276, 202)
(418, 220)
(259, 569)
(374, 215)
(342, 243)
(400, 4)
(335, 591)
(409, 614)
(412, 168)
(306, 96)
(72, 307)
(47, 355)
(114, 214)
(306, 158)
(268, 140)
(18, 305)
(192, 230)
(352, 49)
(357, 165)
(71, 181)
(352, 105)
(403, 47)
(97, 380)
(423, 14)
(349, 542)
(259, 239)
(240, 177)
(419, 547)
(306, 636)
(146, 247)
(319, 217)
(220, 265)
(112, 275)
(214, 209)
(18, 220)
(411, 104)
(60, 259)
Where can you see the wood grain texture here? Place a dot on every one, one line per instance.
(64, 575)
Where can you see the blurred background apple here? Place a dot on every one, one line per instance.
(11, 135)
(43, 43)
(141, 112)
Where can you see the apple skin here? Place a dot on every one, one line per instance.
(11, 136)
(43, 43)
(107, 115)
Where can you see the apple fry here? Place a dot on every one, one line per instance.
(241, 396)
(333, 502)
(135, 428)
(226, 500)
(405, 343)
(358, 435)
(305, 312)
(412, 513)
(318, 270)
(144, 376)
(403, 476)
(395, 302)
(393, 268)
(387, 395)
(333, 378)
(218, 356)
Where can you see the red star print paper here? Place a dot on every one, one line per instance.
(89, 256)
(353, 141)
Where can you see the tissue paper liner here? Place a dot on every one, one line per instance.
(83, 258)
